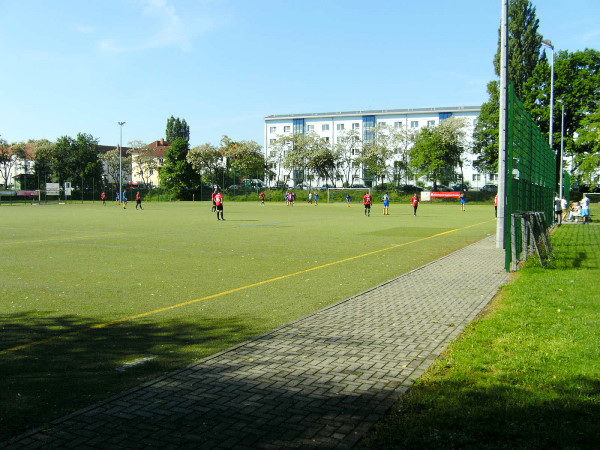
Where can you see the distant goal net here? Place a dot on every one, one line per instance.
(346, 195)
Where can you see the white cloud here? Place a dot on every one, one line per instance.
(85, 29)
(166, 28)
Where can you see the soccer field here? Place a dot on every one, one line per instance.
(95, 299)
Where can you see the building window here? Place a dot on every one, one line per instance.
(273, 153)
(273, 130)
(476, 177)
(475, 122)
(326, 139)
(338, 139)
(414, 124)
(325, 127)
(356, 126)
(355, 151)
(271, 141)
(340, 126)
(493, 177)
(431, 123)
(381, 124)
(397, 124)
(310, 127)
(444, 116)
(287, 129)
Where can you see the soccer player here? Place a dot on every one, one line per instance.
(316, 197)
(262, 198)
(117, 199)
(367, 200)
(386, 204)
(348, 200)
(103, 197)
(124, 197)
(212, 196)
(463, 201)
(585, 209)
(219, 204)
(496, 206)
(138, 200)
(414, 201)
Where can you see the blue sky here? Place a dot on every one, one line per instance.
(72, 66)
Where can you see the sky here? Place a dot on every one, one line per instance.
(82, 66)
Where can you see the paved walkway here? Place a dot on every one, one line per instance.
(319, 382)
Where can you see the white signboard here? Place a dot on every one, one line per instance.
(52, 189)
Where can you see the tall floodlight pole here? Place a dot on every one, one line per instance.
(561, 190)
(503, 126)
(121, 160)
(547, 43)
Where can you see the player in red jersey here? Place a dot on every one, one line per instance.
(219, 204)
(367, 200)
(138, 200)
(262, 198)
(212, 197)
(414, 201)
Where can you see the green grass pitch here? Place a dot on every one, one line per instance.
(95, 299)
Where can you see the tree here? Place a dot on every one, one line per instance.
(42, 168)
(144, 164)
(293, 151)
(207, 160)
(9, 158)
(177, 174)
(438, 150)
(112, 167)
(323, 160)
(347, 146)
(177, 128)
(524, 44)
(374, 157)
(589, 136)
(244, 157)
(76, 159)
(394, 141)
(577, 79)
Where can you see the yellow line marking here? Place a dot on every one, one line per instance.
(238, 289)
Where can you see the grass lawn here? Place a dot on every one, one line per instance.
(526, 375)
(96, 299)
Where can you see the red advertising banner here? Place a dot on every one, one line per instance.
(445, 194)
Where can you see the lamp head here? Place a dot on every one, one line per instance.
(548, 43)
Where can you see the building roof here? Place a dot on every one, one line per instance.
(378, 112)
(158, 148)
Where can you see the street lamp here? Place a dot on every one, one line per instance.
(562, 147)
(548, 43)
(120, 160)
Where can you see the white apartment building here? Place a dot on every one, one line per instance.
(332, 126)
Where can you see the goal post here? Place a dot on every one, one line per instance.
(339, 194)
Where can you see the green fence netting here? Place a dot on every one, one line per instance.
(530, 183)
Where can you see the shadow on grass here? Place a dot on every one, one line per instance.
(576, 247)
(451, 414)
(84, 365)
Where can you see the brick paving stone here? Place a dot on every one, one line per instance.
(321, 381)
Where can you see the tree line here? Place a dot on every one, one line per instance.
(576, 82)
